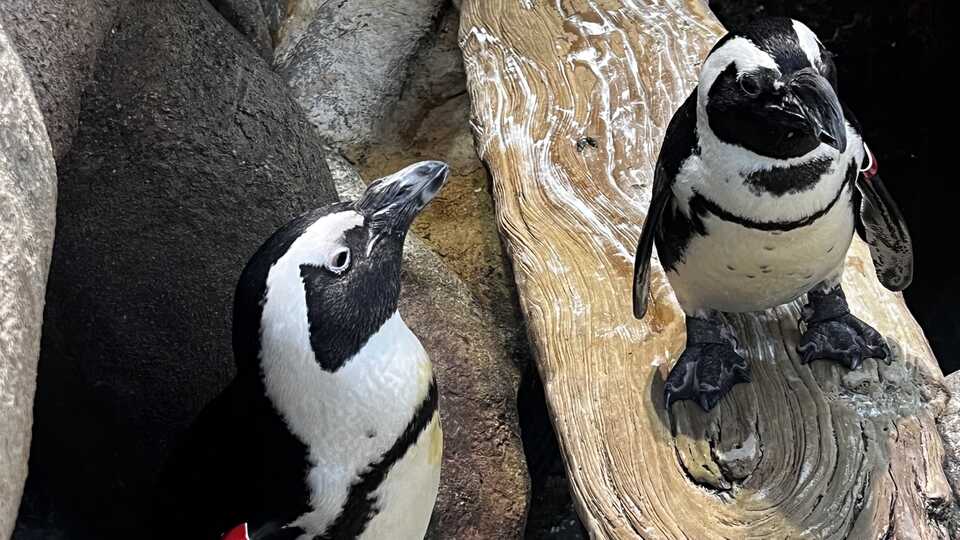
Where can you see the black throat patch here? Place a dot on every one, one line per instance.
(362, 504)
(780, 181)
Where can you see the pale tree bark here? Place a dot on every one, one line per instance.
(570, 102)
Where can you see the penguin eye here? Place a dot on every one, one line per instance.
(339, 261)
(750, 84)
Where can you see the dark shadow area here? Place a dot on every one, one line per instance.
(551, 514)
(890, 58)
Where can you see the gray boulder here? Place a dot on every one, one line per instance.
(347, 61)
(248, 18)
(190, 152)
(28, 194)
(58, 41)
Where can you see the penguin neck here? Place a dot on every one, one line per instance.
(350, 418)
(761, 188)
(728, 160)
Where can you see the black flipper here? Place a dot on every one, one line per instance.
(679, 143)
(881, 225)
(886, 233)
(237, 463)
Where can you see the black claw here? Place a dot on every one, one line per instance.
(705, 373)
(838, 336)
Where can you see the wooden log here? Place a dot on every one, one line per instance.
(570, 101)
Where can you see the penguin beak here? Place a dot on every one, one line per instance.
(391, 203)
(810, 97)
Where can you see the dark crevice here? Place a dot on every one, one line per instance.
(551, 513)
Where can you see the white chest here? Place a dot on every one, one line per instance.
(739, 269)
(349, 418)
(409, 491)
(736, 268)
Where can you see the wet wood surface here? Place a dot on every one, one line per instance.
(570, 101)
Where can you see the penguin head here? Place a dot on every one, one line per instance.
(327, 280)
(771, 88)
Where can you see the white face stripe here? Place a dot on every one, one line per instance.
(284, 325)
(809, 43)
(740, 50)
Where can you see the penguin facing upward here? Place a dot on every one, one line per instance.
(330, 429)
(760, 182)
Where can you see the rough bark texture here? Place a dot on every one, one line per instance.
(346, 61)
(802, 451)
(484, 487)
(190, 153)
(58, 42)
(28, 196)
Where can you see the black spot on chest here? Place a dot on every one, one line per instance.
(780, 181)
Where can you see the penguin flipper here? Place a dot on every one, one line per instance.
(879, 221)
(641, 265)
(679, 143)
(200, 494)
(886, 233)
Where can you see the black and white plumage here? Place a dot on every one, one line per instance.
(760, 181)
(330, 429)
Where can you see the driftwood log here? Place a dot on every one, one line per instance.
(570, 101)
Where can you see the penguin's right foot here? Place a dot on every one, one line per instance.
(708, 368)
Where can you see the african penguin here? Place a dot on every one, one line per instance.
(760, 182)
(330, 429)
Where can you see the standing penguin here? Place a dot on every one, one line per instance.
(760, 180)
(330, 429)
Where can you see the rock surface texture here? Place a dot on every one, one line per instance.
(190, 152)
(28, 195)
(949, 424)
(58, 42)
(346, 61)
(248, 18)
(570, 101)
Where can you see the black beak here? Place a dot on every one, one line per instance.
(392, 202)
(810, 94)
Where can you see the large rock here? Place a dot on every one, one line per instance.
(190, 152)
(347, 61)
(58, 43)
(484, 486)
(28, 193)
(247, 17)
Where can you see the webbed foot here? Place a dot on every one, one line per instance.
(708, 368)
(833, 333)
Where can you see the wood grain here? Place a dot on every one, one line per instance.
(803, 451)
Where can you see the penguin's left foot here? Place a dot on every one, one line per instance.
(708, 368)
(833, 333)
